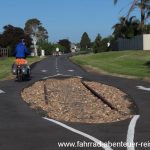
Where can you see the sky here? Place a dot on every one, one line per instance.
(65, 18)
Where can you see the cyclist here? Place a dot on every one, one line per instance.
(21, 50)
(20, 53)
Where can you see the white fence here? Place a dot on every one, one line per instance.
(141, 42)
(3, 52)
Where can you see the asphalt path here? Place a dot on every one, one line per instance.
(21, 128)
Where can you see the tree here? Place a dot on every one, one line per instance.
(12, 35)
(44, 45)
(144, 6)
(97, 44)
(147, 29)
(120, 28)
(65, 43)
(132, 27)
(101, 44)
(61, 48)
(126, 28)
(42, 34)
(34, 28)
(106, 43)
(85, 42)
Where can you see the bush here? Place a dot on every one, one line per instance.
(44, 45)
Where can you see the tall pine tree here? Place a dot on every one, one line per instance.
(85, 42)
(97, 44)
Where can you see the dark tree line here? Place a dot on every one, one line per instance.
(128, 27)
(34, 29)
(85, 42)
(11, 36)
(98, 45)
(144, 7)
(66, 44)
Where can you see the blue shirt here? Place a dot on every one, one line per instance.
(21, 50)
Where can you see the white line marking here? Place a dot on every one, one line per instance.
(70, 70)
(44, 71)
(1, 91)
(58, 74)
(57, 69)
(103, 145)
(143, 88)
(79, 77)
(131, 132)
(56, 62)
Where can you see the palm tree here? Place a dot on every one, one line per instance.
(132, 25)
(126, 28)
(120, 28)
(144, 6)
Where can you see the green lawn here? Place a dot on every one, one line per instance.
(6, 63)
(131, 63)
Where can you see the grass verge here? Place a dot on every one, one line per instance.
(6, 63)
(135, 64)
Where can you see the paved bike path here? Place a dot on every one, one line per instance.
(22, 129)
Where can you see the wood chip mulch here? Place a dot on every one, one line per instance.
(69, 100)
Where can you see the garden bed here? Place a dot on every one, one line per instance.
(69, 100)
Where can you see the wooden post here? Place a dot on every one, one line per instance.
(45, 94)
(3, 52)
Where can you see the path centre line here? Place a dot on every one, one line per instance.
(57, 69)
(103, 145)
(44, 71)
(131, 132)
(56, 62)
(71, 70)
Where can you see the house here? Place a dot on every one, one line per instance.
(74, 48)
